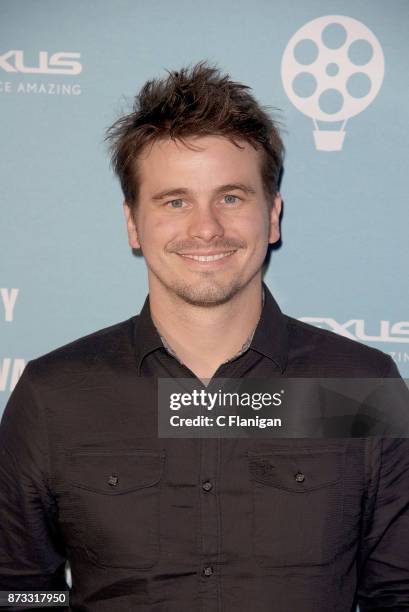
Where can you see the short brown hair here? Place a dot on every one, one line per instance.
(197, 101)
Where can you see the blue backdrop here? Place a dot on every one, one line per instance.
(336, 69)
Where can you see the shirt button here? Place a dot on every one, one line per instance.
(113, 480)
(207, 486)
(208, 571)
(299, 477)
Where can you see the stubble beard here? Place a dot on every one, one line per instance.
(205, 292)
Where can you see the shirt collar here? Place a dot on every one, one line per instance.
(146, 336)
(269, 338)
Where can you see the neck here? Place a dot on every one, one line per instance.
(205, 337)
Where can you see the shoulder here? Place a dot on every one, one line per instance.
(334, 355)
(109, 347)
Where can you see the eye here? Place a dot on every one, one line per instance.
(231, 199)
(178, 203)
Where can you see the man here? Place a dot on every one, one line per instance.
(235, 524)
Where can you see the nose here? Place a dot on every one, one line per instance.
(205, 224)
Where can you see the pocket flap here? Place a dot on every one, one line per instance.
(115, 472)
(297, 472)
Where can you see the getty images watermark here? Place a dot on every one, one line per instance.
(286, 408)
(227, 400)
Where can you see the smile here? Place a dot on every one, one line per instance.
(205, 258)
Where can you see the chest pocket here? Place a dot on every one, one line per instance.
(297, 507)
(115, 504)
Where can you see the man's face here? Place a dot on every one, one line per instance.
(202, 220)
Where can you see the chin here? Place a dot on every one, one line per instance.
(206, 296)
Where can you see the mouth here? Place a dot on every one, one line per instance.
(207, 259)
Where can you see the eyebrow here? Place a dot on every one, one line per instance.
(183, 191)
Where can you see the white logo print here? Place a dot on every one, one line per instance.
(57, 63)
(356, 329)
(332, 69)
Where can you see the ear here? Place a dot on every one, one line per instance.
(275, 220)
(131, 227)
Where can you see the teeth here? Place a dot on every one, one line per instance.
(208, 257)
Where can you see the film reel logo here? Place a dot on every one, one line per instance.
(332, 69)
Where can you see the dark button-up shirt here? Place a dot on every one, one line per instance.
(156, 524)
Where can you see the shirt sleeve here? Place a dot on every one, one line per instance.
(383, 584)
(32, 555)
